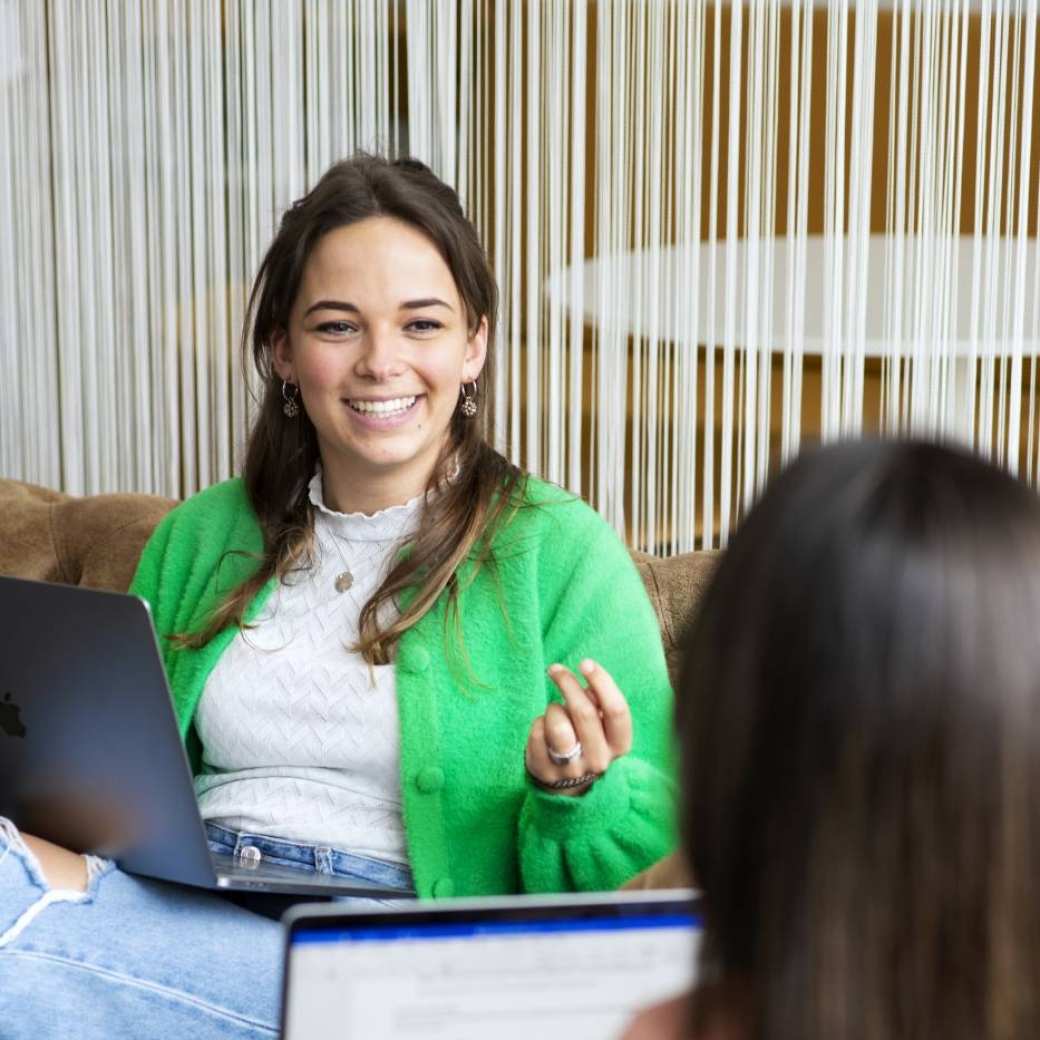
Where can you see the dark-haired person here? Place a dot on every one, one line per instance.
(860, 727)
(374, 637)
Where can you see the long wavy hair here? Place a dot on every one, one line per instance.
(860, 717)
(458, 521)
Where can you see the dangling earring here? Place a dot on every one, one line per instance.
(469, 401)
(290, 407)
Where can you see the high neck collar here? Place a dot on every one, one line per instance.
(388, 524)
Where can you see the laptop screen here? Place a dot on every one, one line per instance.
(523, 968)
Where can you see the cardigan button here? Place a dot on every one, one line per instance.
(443, 888)
(429, 780)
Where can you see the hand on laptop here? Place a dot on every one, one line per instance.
(577, 740)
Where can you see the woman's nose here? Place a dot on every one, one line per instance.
(380, 358)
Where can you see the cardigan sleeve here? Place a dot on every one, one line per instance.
(626, 821)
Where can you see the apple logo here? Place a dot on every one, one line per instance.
(10, 723)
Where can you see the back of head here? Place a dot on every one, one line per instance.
(860, 711)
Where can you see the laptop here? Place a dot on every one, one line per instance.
(513, 968)
(90, 756)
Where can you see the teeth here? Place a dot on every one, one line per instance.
(397, 404)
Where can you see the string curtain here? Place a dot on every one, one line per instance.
(721, 229)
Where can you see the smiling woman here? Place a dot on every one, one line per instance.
(374, 637)
(378, 369)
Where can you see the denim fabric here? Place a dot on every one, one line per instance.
(316, 858)
(133, 957)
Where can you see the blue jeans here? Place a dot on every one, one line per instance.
(134, 957)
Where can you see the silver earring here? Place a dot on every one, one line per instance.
(469, 401)
(290, 407)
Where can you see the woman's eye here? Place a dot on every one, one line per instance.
(336, 328)
(424, 325)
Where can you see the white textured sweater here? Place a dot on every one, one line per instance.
(300, 736)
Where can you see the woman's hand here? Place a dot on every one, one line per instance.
(582, 736)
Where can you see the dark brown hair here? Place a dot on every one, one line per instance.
(860, 717)
(459, 520)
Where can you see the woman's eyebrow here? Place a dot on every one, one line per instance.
(343, 305)
(432, 301)
(331, 305)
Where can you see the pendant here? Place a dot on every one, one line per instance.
(344, 581)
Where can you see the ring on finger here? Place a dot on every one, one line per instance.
(562, 758)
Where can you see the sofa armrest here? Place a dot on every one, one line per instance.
(96, 541)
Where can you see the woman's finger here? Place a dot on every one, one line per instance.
(536, 755)
(585, 718)
(613, 707)
(560, 735)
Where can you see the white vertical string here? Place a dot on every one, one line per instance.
(1001, 241)
(897, 238)
(690, 62)
(1022, 136)
(501, 255)
(554, 148)
(16, 385)
(657, 154)
(729, 342)
(753, 176)
(516, 223)
(633, 241)
(834, 344)
(126, 62)
(708, 526)
(993, 445)
(602, 231)
(797, 222)
(576, 253)
(860, 190)
(666, 475)
(532, 243)
(1034, 297)
(766, 334)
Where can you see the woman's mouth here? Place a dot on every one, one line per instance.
(390, 411)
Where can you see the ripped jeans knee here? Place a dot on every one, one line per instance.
(128, 957)
(24, 890)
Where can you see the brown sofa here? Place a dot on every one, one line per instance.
(96, 540)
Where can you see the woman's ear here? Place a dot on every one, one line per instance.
(281, 357)
(476, 352)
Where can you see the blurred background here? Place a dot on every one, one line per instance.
(721, 229)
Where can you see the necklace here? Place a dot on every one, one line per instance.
(345, 578)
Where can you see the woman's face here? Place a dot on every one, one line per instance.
(379, 346)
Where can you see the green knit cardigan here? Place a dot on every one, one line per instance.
(562, 587)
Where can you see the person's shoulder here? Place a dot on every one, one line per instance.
(554, 530)
(556, 510)
(216, 516)
(225, 500)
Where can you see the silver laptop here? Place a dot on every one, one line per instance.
(90, 756)
(567, 966)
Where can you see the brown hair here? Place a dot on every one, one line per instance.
(282, 454)
(860, 718)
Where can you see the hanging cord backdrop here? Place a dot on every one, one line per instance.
(721, 229)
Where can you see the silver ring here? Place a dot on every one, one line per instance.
(562, 759)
